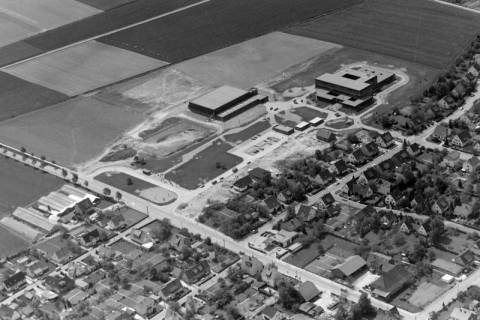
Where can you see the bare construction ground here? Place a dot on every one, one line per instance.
(251, 62)
(23, 18)
(84, 67)
(71, 132)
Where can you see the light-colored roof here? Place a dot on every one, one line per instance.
(219, 97)
(20, 227)
(302, 124)
(339, 80)
(33, 218)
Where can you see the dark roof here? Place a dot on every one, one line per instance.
(359, 155)
(91, 235)
(14, 279)
(464, 136)
(351, 265)
(328, 199)
(341, 165)
(370, 173)
(393, 279)
(243, 182)
(415, 147)
(270, 311)
(387, 137)
(258, 173)
(308, 290)
(272, 203)
(366, 211)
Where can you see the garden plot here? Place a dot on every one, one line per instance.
(83, 67)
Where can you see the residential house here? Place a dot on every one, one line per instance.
(364, 136)
(391, 282)
(461, 139)
(459, 91)
(379, 263)
(178, 241)
(382, 186)
(251, 265)
(306, 213)
(423, 229)
(441, 132)
(168, 290)
(451, 159)
(414, 149)
(15, 282)
(385, 140)
(466, 258)
(323, 177)
(326, 201)
(193, 273)
(407, 226)
(325, 135)
(142, 237)
(447, 267)
(242, 184)
(293, 225)
(285, 197)
(463, 211)
(341, 167)
(75, 296)
(258, 174)
(271, 205)
(441, 205)
(270, 275)
(308, 291)
(90, 238)
(459, 313)
(471, 164)
(351, 267)
(59, 284)
(284, 238)
(272, 313)
(357, 157)
(370, 150)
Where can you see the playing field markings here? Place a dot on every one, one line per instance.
(110, 32)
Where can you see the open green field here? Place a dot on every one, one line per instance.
(205, 166)
(21, 185)
(254, 61)
(425, 32)
(10, 243)
(248, 132)
(294, 116)
(83, 67)
(139, 187)
(71, 132)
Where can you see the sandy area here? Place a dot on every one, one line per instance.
(158, 195)
(254, 61)
(84, 67)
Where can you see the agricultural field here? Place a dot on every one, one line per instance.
(83, 68)
(425, 32)
(103, 22)
(175, 38)
(72, 132)
(139, 187)
(23, 18)
(10, 243)
(22, 185)
(172, 135)
(18, 96)
(248, 132)
(205, 166)
(105, 4)
(249, 63)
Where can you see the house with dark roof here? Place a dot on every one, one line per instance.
(466, 258)
(271, 313)
(59, 284)
(370, 149)
(357, 157)
(89, 238)
(441, 205)
(308, 291)
(193, 273)
(414, 149)
(379, 263)
(292, 225)
(385, 140)
(423, 229)
(325, 135)
(15, 282)
(271, 204)
(391, 282)
(243, 184)
(258, 174)
(471, 164)
(326, 201)
(178, 241)
(441, 132)
(341, 167)
(305, 212)
(351, 267)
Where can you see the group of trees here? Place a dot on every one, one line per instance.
(358, 311)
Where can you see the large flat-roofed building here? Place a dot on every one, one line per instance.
(352, 87)
(226, 102)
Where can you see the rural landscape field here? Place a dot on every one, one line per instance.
(239, 160)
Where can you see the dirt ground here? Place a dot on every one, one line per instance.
(254, 61)
(71, 132)
(426, 293)
(84, 67)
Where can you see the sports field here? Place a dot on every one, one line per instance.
(18, 96)
(21, 185)
(205, 166)
(251, 62)
(176, 38)
(22, 18)
(71, 132)
(426, 32)
(83, 67)
(140, 187)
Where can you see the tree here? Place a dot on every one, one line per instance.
(437, 228)
(118, 195)
(64, 173)
(289, 297)
(23, 149)
(107, 191)
(363, 308)
(74, 177)
(129, 181)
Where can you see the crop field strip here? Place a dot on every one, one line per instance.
(176, 38)
(426, 32)
(98, 24)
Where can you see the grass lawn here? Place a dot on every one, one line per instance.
(123, 246)
(22, 185)
(308, 114)
(205, 166)
(248, 132)
(131, 216)
(136, 186)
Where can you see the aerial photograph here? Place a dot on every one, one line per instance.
(239, 160)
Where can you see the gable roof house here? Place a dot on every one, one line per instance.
(471, 164)
(242, 184)
(414, 149)
(391, 282)
(325, 135)
(441, 205)
(441, 132)
(465, 258)
(178, 241)
(370, 149)
(341, 167)
(385, 140)
(352, 266)
(251, 265)
(308, 290)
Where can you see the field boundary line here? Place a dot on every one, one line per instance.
(165, 14)
(446, 3)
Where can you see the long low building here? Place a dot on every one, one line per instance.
(21, 228)
(58, 203)
(34, 218)
(226, 102)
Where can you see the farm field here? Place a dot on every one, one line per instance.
(140, 187)
(105, 4)
(175, 38)
(83, 67)
(10, 243)
(23, 18)
(249, 63)
(103, 22)
(205, 166)
(24, 186)
(425, 32)
(18, 96)
(248, 132)
(71, 132)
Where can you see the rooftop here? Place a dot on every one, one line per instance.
(219, 97)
